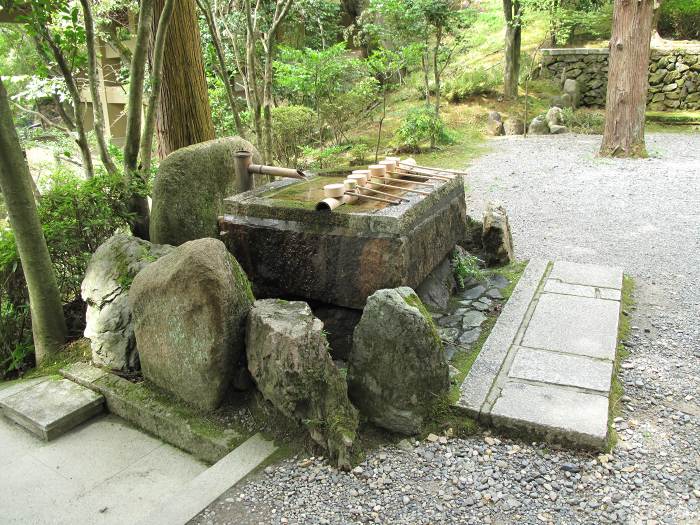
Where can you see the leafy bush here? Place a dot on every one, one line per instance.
(421, 126)
(680, 19)
(320, 158)
(77, 216)
(292, 128)
(479, 81)
(466, 268)
(583, 121)
(358, 154)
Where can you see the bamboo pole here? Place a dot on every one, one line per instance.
(403, 165)
(425, 177)
(363, 196)
(428, 184)
(407, 190)
(412, 171)
(385, 193)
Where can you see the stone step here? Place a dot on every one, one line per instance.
(546, 367)
(49, 407)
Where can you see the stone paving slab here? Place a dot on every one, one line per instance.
(52, 407)
(577, 325)
(554, 413)
(546, 368)
(562, 369)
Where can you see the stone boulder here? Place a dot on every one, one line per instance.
(538, 126)
(494, 124)
(190, 187)
(514, 126)
(436, 289)
(555, 116)
(398, 368)
(289, 360)
(496, 239)
(105, 289)
(573, 90)
(190, 308)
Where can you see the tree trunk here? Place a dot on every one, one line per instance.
(184, 115)
(222, 69)
(426, 77)
(511, 74)
(48, 323)
(78, 110)
(436, 70)
(138, 204)
(267, 101)
(96, 89)
(156, 80)
(628, 79)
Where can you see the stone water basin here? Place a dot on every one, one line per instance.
(288, 249)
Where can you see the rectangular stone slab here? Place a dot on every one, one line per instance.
(545, 366)
(341, 258)
(51, 408)
(575, 325)
(555, 413)
(587, 274)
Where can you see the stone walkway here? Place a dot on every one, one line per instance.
(546, 367)
(102, 472)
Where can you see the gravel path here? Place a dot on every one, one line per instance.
(563, 203)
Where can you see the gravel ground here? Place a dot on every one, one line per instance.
(643, 215)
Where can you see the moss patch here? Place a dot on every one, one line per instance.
(621, 353)
(73, 352)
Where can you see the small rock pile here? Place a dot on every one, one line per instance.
(552, 122)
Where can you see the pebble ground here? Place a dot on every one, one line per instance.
(563, 203)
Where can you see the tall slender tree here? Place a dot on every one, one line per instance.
(184, 114)
(513, 11)
(48, 323)
(628, 81)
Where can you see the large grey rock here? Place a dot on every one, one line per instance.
(514, 126)
(496, 237)
(398, 367)
(555, 116)
(573, 90)
(105, 289)
(556, 129)
(538, 126)
(494, 124)
(437, 288)
(289, 361)
(190, 187)
(190, 308)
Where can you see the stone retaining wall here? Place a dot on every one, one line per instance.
(674, 75)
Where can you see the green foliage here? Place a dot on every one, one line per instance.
(466, 268)
(358, 154)
(569, 19)
(421, 126)
(584, 121)
(292, 129)
(680, 19)
(77, 216)
(320, 158)
(474, 82)
(315, 24)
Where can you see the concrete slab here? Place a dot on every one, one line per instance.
(575, 325)
(587, 274)
(478, 383)
(201, 491)
(562, 369)
(12, 387)
(51, 408)
(555, 413)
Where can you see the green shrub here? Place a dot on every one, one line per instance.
(584, 121)
(421, 126)
(358, 154)
(466, 268)
(321, 158)
(479, 81)
(77, 216)
(292, 128)
(680, 19)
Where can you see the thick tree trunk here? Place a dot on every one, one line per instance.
(48, 323)
(184, 114)
(138, 204)
(156, 80)
(511, 74)
(222, 69)
(96, 89)
(628, 79)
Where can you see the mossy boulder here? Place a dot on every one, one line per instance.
(190, 309)
(289, 361)
(190, 187)
(105, 289)
(397, 369)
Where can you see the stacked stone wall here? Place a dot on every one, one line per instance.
(674, 75)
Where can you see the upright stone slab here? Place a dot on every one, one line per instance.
(190, 308)
(289, 360)
(398, 366)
